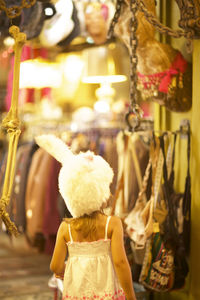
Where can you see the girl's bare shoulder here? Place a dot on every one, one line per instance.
(63, 226)
(115, 221)
(63, 229)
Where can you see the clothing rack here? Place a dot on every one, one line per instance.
(148, 124)
(58, 127)
(98, 131)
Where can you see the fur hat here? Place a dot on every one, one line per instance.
(84, 179)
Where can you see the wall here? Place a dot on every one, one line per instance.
(172, 121)
(192, 288)
(194, 292)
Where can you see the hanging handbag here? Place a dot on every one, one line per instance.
(140, 220)
(174, 224)
(157, 272)
(135, 226)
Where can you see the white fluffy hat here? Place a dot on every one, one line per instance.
(84, 179)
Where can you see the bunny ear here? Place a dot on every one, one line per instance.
(54, 146)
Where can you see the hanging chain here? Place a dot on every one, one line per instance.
(190, 16)
(15, 11)
(133, 56)
(134, 109)
(159, 26)
(115, 17)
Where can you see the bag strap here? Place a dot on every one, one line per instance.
(136, 166)
(171, 176)
(141, 195)
(168, 190)
(165, 171)
(155, 164)
(120, 187)
(158, 176)
(186, 208)
(187, 192)
(120, 183)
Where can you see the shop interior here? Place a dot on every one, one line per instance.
(119, 78)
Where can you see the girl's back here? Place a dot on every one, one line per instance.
(89, 271)
(84, 183)
(89, 228)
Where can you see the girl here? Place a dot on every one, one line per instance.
(97, 266)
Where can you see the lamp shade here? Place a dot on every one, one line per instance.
(33, 74)
(103, 64)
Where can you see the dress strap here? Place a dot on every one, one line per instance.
(106, 229)
(70, 234)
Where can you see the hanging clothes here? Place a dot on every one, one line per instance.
(111, 156)
(35, 197)
(51, 217)
(133, 156)
(16, 208)
(36, 205)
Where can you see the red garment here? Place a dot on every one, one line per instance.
(178, 66)
(25, 95)
(163, 79)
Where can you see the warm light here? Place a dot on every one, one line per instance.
(105, 91)
(49, 110)
(73, 127)
(102, 79)
(102, 106)
(84, 115)
(9, 41)
(29, 213)
(73, 67)
(39, 74)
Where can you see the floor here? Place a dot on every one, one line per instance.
(24, 273)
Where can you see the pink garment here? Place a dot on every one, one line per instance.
(25, 95)
(118, 295)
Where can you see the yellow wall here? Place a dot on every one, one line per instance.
(172, 122)
(195, 173)
(192, 288)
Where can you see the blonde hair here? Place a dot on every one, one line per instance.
(86, 224)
